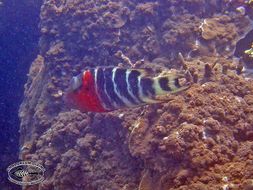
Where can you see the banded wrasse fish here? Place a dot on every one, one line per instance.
(105, 89)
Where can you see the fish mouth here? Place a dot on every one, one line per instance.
(70, 101)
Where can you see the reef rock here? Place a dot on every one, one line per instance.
(201, 139)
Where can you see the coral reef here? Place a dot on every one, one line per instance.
(201, 139)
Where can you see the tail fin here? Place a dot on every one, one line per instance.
(169, 83)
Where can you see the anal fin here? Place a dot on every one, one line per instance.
(164, 98)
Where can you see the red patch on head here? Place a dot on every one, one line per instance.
(86, 98)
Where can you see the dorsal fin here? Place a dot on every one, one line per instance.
(144, 71)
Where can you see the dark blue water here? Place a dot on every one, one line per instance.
(19, 35)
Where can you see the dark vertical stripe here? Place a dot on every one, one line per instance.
(133, 82)
(147, 88)
(164, 84)
(100, 89)
(92, 71)
(110, 87)
(121, 83)
(176, 83)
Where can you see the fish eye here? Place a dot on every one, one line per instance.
(75, 83)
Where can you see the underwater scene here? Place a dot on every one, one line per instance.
(126, 95)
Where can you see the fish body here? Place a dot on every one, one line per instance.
(105, 89)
